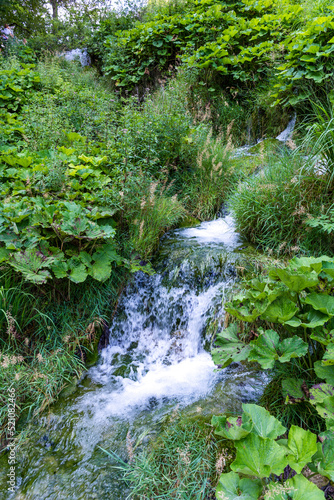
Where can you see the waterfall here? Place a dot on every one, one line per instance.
(287, 133)
(157, 360)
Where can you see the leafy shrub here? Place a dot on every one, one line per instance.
(261, 457)
(298, 297)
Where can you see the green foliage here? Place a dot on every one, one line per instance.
(300, 295)
(272, 208)
(262, 457)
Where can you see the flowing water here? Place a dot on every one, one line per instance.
(157, 360)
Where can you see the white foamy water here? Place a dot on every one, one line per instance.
(287, 132)
(217, 231)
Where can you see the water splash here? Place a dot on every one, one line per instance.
(287, 133)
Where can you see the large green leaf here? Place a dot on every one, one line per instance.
(260, 457)
(231, 348)
(292, 347)
(296, 488)
(246, 310)
(264, 424)
(78, 271)
(319, 392)
(280, 310)
(4, 254)
(301, 447)
(296, 282)
(231, 487)
(326, 411)
(325, 463)
(32, 263)
(292, 390)
(321, 302)
(312, 319)
(324, 372)
(231, 427)
(267, 348)
(328, 358)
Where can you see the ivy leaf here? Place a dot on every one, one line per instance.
(280, 310)
(264, 424)
(231, 487)
(260, 457)
(320, 302)
(301, 446)
(231, 348)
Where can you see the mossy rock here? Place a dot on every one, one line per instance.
(189, 221)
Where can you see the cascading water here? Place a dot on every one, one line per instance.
(156, 360)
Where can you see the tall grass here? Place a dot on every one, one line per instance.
(184, 462)
(272, 207)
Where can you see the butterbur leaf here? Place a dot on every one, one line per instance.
(323, 336)
(319, 392)
(301, 446)
(264, 349)
(296, 282)
(303, 489)
(231, 487)
(267, 348)
(321, 302)
(4, 254)
(326, 411)
(32, 263)
(325, 462)
(264, 424)
(313, 320)
(78, 272)
(328, 358)
(260, 457)
(293, 347)
(248, 311)
(60, 268)
(230, 347)
(292, 390)
(231, 427)
(296, 488)
(280, 310)
(324, 372)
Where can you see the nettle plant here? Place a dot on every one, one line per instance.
(298, 300)
(263, 451)
(52, 222)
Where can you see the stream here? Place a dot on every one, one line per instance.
(157, 360)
